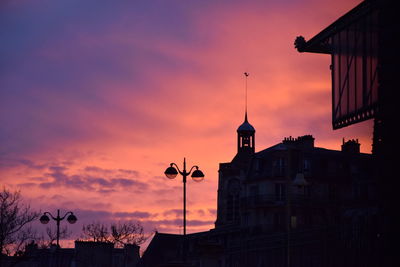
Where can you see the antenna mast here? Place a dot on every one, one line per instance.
(246, 74)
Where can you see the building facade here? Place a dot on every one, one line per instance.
(364, 70)
(292, 204)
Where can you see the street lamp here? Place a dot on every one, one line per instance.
(44, 219)
(171, 172)
(197, 175)
(300, 182)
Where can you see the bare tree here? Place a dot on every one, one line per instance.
(45, 241)
(120, 233)
(96, 232)
(14, 222)
(127, 233)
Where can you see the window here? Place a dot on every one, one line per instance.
(232, 208)
(280, 192)
(293, 222)
(307, 165)
(232, 213)
(278, 221)
(279, 166)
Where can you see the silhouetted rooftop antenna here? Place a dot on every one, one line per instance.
(246, 74)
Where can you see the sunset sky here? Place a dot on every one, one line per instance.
(99, 96)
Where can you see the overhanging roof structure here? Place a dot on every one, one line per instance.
(320, 42)
(353, 42)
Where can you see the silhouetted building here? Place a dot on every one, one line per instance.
(364, 52)
(164, 250)
(265, 219)
(85, 254)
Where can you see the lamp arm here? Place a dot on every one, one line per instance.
(63, 217)
(176, 166)
(195, 166)
(48, 213)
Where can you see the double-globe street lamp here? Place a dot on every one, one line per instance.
(45, 220)
(197, 175)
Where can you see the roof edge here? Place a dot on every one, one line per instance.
(318, 43)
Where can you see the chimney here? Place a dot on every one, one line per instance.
(305, 141)
(351, 146)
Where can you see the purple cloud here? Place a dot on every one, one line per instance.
(174, 212)
(104, 181)
(135, 214)
(178, 222)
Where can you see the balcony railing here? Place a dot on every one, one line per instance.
(271, 199)
(299, 199)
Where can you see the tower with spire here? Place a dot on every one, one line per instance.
(245, 134)
(246, 137)
(232, 174)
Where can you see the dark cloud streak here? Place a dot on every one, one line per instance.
(91, 178)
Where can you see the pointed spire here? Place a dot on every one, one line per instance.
(246, 132)
(246, 126)
(246, 74)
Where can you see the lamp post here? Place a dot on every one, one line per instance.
(45, 220)
(197, 175)
(299, 182)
